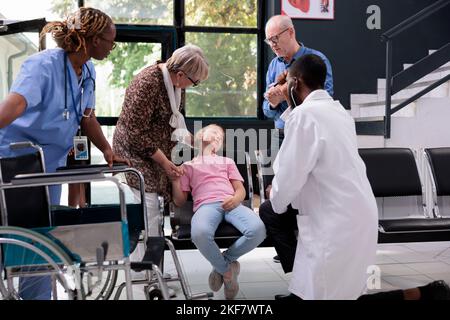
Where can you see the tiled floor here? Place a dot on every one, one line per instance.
(402, 266)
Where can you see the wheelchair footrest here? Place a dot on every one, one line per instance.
(153, 254)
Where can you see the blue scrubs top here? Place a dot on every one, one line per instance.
(278, 66)
(41, 82)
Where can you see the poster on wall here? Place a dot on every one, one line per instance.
(308, 9)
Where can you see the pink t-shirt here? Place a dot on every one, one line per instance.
(208, 179)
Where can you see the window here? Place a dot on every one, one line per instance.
(227, 32)
(152, 12)
(115, 73)
(224, 13)
(14, 49)
(27, 10)
(230, 90)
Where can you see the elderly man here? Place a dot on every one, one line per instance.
(280, 36)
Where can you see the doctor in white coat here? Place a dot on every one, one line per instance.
(319, 173)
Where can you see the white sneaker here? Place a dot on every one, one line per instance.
(231, 286)
(215, 281)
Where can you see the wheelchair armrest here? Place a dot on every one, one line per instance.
(94, 168)
(39, 179)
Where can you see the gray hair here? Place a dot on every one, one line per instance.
(191, 60)
(282, 21)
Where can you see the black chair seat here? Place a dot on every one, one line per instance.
(225, 230)
(415, 225)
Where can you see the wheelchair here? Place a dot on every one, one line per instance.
(79, 251)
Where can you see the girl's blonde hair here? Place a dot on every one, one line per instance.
(191, 60)
(198, 138)
(71, 34)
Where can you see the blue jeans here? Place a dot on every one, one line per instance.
(204, 225)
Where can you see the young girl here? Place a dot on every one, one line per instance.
(217, 190)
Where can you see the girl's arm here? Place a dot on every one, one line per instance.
(179, 196)
(239, 196)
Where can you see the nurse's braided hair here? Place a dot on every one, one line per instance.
(71, 34)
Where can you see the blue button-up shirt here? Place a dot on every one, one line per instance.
(278, 66)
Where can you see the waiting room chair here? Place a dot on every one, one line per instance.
(394, 176)
(438, 170)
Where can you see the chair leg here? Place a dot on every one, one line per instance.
(182, 277)
(162, 284)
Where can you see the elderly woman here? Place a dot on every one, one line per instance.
(150, 123)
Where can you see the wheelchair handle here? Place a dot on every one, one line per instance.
(21, 145)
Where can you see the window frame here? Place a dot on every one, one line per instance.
(159, 34)
(164, 35)
(182, 29)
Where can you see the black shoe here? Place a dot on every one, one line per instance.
(287, 297)
(276, 259)
(437, 290)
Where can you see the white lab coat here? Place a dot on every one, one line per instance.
(318, 171)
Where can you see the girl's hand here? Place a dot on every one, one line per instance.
(230, 203)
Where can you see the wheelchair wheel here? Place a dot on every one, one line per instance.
(155, 294)
(35, 268)
(102, 290)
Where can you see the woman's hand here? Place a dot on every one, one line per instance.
(230, 203)
(172, 171)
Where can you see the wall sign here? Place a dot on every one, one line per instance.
(308, 9)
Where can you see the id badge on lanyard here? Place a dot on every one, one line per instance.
(80, 147)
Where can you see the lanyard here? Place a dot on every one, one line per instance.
(80, 98)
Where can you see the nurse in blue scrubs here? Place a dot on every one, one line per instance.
(54, 95)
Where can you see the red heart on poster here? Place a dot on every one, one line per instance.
(303, 5)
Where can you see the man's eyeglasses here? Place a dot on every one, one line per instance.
(194, 83)
(275, 38)
(112, 42)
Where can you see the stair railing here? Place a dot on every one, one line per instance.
(399, 81)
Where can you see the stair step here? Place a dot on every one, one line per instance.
(442, 70)
(370, 126)
(439, 92)
(380, 110)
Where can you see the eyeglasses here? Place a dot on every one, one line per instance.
(112, 42)
(274, 40)
(194, 83)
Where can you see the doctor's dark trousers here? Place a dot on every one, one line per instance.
(282, 231)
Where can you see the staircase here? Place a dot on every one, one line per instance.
(368, 110)
(412, 106)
